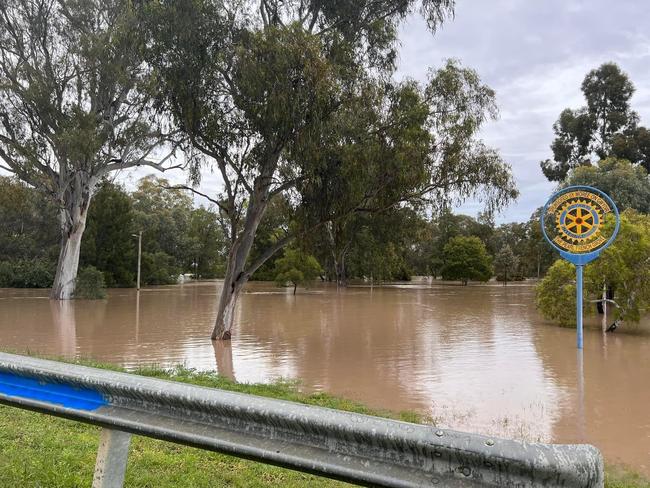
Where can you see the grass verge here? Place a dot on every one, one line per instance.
(43, 451)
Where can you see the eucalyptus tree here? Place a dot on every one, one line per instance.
(627, 184)
(414, 144)
(70, 108)
(606, 126)
(295, 98)
(504, 261)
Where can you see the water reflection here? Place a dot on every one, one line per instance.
(613, 412)
(475, 358)
(65, 326)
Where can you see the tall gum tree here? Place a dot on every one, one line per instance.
(70, 108)
(292, 98)
(409, 145)
(606, 127)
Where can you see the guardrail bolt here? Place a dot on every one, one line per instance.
(439, 433)
(489, 442)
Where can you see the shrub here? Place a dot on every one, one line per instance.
(556, 293)
(90, 284)
(466, 259)
(6, 274)
(23, 273)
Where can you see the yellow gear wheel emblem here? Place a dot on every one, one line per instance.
(576, 221)
(579, 220)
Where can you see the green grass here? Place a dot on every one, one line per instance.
(43, 451)
(621, 477)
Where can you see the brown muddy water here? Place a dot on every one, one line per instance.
(476, 358)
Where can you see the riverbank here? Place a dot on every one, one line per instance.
(38, 450)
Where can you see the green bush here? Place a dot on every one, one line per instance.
(555, 295)
(24, 273)
(6, 274)
(466, 259)
(90, 284)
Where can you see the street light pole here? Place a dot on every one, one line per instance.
(139, 236)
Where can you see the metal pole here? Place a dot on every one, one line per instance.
(579, 269)
(139, 256)
(582, 431)
(112, 455)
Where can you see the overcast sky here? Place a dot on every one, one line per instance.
(534, 54)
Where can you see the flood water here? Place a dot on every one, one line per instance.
(476, 358)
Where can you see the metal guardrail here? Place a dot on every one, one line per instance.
(351, 447)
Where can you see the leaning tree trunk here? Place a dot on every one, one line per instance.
(235, 279)
(233, 283)
(73, 223)
(236, 274)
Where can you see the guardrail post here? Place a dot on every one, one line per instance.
(112, 454)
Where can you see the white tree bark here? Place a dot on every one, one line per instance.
(72, 218)
(226, 312)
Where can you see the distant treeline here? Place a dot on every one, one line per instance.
(178, 237)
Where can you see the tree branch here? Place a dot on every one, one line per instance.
(197, 192)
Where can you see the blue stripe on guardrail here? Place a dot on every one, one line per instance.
(59, 394)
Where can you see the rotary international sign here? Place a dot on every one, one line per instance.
(579, 216)
(580, 222)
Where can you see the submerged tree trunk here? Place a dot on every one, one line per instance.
(338, 255)
(233, 283)
(236, 273)
(73, 223)
(68, 264)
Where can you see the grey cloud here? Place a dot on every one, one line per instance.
(535, 55)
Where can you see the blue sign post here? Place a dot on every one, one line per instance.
(582, 227)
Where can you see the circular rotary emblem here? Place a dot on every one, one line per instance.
(579, 220)
(580, 216)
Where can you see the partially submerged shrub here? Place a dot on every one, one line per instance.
(556, 293)
(90, 284)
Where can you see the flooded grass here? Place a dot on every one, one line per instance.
(43, 451)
